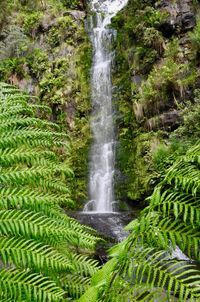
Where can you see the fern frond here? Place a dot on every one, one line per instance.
(35, 225)
(22, 196)
(180, 204)
(37, 237)
(28, 156)
(13, 123)
(122, 291)
(35, 176)
(29, 253)
(15, 111)
(166, 234)
(76, 285)
(84, 265)
(31, 137)
(91, 295)
(38, 107)
(158, 269)
(185, 176)
(19, 285)
(138, 272)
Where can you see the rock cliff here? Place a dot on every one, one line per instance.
(157, 89)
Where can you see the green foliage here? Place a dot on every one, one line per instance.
(154, 76)
(53, 81)
(37, 62)
(58, 33)
(15, 43)
(41, 247)
(4, 12)
(195, 38)
(19, 285)
(44, 49)
(143, 267)
(153, 95)
(71, 3)
(138, 166)
(189, 130)
(12, 66)
(31, 22)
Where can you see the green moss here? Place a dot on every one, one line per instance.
(52, 58)
(38, 62)
(135, 158)
(195, 37)
(154, 75)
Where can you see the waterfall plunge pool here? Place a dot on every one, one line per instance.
(109, 225)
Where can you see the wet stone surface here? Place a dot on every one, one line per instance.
(108, 225)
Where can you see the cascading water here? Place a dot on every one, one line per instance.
(102, 152)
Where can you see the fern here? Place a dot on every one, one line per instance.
(21, 285)
(143, 267)
(30, 253)
(41, 247)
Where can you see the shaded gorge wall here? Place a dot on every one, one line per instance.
(156, 90)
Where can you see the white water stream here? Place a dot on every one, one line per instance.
(103, 148)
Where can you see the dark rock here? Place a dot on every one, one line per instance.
(109, 225)
(168, 121)
(167, 29)
(181, 17)
(76, 14)
(188, 21)
(137, 79)
(102, 254)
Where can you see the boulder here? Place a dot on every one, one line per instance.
(181, 16)
(168, 121)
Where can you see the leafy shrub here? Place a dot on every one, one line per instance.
(159, 91)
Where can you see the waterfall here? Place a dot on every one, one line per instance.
(102, 156)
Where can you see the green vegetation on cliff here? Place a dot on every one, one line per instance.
(44, 49)
(157, 94)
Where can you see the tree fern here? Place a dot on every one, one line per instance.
(20, 285)
(33, 254)
(144, 267)
(41, 247)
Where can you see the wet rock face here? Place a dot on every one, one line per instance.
(76, 14)
(167, 121)
(181, 17)
(108, 225)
